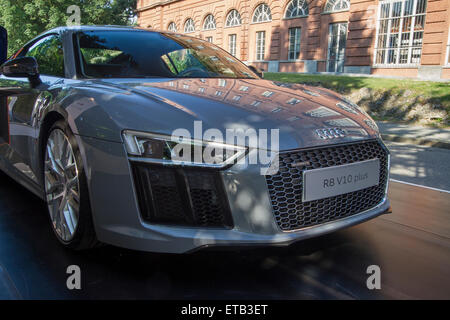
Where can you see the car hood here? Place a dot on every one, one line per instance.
(164, 105)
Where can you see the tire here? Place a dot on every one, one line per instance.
(66, 190)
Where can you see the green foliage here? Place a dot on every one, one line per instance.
(25, 19)
(99, 56)
(435, 92)
(184, 59)
(49, 55)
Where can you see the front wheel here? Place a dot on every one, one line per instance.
(66, 190)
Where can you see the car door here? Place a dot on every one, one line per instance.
(20, 102)
(4, 134)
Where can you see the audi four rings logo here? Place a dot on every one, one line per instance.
(330, 133)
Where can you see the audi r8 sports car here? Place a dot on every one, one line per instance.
(99, 122)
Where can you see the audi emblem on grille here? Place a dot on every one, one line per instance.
(330, 133)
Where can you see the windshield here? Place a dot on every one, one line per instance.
(141, 54)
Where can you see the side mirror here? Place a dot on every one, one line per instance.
(3, 44)
(25, 67)
(257, 71)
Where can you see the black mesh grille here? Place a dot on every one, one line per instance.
(286, 186)
(190, 197)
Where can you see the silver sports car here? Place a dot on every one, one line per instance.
(100, 122)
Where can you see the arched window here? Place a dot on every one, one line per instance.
(262, 13)
(233, 19)
(210, 22)
(336, 5)
(189, 26)
(297, 8)
(172, 27)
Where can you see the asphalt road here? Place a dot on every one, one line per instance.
(411, 246)
(420, 165)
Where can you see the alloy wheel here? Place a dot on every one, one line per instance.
(62, 185)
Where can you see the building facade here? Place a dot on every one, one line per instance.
(383, 37)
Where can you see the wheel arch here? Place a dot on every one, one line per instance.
(48, 121)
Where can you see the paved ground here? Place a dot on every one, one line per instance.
(420, 165)
(418, 135)
(411, 247)
(419, 132)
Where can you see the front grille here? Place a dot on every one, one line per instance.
(181, 196)
(286, 186)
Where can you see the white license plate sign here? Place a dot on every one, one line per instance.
(332, 181)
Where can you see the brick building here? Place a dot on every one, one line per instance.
(384, 37)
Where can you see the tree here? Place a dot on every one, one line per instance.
(26, 19)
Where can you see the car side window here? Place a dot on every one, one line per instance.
(49, 54)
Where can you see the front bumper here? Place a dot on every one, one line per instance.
(118, 221)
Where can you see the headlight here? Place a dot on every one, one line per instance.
(166, 149)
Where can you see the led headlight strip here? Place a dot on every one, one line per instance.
(171, 150)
